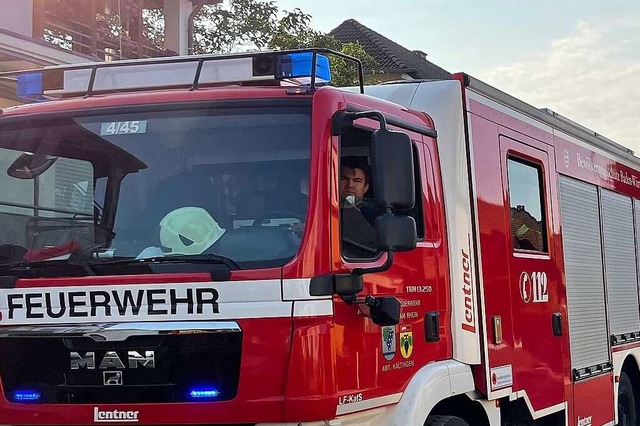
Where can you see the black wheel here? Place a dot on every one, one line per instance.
(626, 402)
(445, 421)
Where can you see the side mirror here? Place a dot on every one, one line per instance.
(396, 233)
(29, 166)
(393, 174)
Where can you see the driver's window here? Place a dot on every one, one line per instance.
(358, 211)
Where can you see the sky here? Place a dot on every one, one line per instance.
(578, 58)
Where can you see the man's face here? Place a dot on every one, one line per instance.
(352, 182)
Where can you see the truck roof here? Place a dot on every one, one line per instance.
(547, 116)
(413, 94)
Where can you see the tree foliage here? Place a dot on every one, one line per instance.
(243, 24)
(256, 24)
(345, 73)
(293, 31)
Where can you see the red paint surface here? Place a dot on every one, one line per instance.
(593, 398)
(539, 360)
(578, 162)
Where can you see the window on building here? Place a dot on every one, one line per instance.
(527, 210)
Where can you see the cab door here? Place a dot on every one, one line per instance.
(535, 282)
(375, 362)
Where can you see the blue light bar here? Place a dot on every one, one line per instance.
(29, 87)
(26, 395)
(297, 66)
(204, 393)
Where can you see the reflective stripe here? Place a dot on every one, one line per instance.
(313, 308)
(298, 289)
(160, 302)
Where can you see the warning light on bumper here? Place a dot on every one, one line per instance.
(26, 396)
(204, 393)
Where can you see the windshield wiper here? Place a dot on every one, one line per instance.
(192, 258)
(27, 265)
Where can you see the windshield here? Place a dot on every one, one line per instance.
(231, 182)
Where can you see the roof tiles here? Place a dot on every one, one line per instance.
(390, 56)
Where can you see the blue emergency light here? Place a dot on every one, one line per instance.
(204, 393)
(29, 87)
(26, 395)
(298, 66)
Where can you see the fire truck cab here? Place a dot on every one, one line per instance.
(231, 240)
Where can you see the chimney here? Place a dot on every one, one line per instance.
(421, 54)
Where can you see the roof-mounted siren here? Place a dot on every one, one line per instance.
(293, 68)
(308, 67)
(298, 67)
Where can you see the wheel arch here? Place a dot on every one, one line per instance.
(462, 406)
(442, 385)
(630, 367)
(627, 361)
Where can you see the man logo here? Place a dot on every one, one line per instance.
(112, 378)
(112, 360)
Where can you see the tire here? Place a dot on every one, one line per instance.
(626, 402)
(445, 421)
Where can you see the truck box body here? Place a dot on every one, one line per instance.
(585, 273)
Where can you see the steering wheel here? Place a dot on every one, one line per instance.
(278, 214)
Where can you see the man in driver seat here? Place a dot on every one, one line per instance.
(358, 213)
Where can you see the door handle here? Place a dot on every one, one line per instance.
(556, 321)
(432, 327)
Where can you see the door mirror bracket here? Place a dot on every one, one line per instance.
(383, 310)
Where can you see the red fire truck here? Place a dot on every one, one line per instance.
(179, 245)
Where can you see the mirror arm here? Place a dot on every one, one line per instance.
(382, 268)
(344, 119)
(376, 115)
